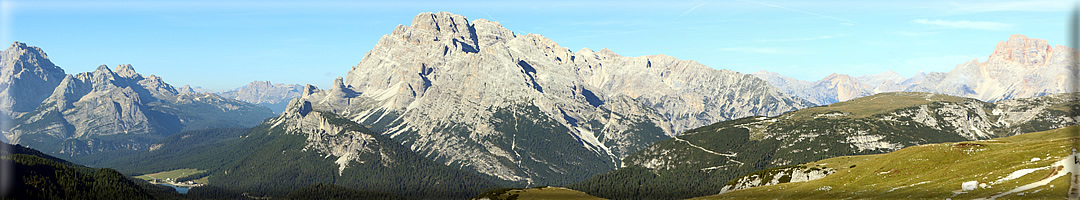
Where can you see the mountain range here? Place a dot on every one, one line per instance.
(1019, 67)
(105, 109)
(474, 95)
(273, 96)
(452, 107)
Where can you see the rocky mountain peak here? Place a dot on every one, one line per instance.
(186, 89)
(607, 52)
(442, 26)
(259, 84)
(103, 69)
(1023, 50)
(126, 71)
(465, 92)
(308, 90)
(441, 21)
(834, 77)
(17, 44)
(27, 77)
(28, 57)
(272, 95)
(845, 86)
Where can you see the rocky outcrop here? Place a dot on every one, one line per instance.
(121, 109)
(327, 137)
(797, 173)
(1020, 67)
(474, 95)
(188, 89)
(273, 96)
(27, 77)
(889, 81)
(833, 88)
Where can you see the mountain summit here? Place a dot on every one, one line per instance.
(1020, 67)
(27, 77)
(273, 96)
(521, 108)
(104, 110)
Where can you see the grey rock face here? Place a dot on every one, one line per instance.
(792, 174)
(273, 96)
(833, 88)
(108, 110)
(328, 138)
(27, 77)
(474, 95)
(188, 89)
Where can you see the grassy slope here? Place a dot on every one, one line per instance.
(174, 174)
(937, 170)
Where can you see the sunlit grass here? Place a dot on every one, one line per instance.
(174, 174)
(935, 171)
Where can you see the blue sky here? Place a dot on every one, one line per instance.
(222, 45)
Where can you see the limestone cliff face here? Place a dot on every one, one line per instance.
(325, 136)
(840, 87)
(798, 173)
(108, 110)
(265, 93)
(1020, 67)
(27, 77)
(474, 95)
(188, 89)
(831, 89)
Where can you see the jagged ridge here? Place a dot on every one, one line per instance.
(465, 92)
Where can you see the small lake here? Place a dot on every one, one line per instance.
(181, 190)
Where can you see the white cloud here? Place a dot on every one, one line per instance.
(758, 50)
(965, 24)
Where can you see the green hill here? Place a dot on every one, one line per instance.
(702, 161)
(1028, 166)
(35, 175)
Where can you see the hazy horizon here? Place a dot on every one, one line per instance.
(225, 45)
